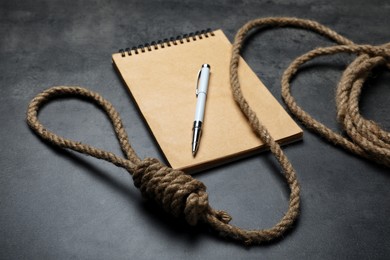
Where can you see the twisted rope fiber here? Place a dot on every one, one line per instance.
(366, 138)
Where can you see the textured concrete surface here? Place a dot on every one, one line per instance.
(62, 205)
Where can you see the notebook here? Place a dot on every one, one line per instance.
(161, 77)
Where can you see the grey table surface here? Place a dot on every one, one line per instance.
(57, 204)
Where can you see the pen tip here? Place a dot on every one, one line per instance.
(194, 148)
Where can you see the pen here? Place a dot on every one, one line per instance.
(201, 93)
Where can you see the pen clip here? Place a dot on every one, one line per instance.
(197, 83)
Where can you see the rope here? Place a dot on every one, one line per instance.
(182, 195)
(177, 192)
(366, 138)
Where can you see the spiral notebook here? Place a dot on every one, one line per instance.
(161, 77)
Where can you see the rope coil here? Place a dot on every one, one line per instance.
(181, 194)
(366, 138)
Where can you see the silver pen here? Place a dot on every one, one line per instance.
(201, 94)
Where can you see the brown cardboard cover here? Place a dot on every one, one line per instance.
(162, 83)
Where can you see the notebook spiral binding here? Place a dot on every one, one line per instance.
(155, 45)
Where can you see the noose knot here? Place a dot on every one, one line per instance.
(177, 192)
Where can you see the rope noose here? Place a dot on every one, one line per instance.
(181, 194)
